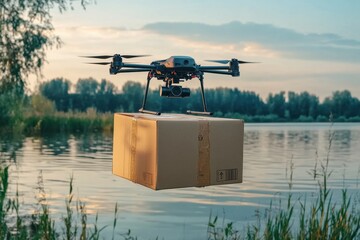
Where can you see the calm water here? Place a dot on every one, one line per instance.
(269, 150)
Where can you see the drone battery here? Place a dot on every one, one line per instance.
(176, 150)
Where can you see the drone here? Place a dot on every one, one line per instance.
(172, 71)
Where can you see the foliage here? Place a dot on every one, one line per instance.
(342, 104)
(276, 104)
(87, 86)
(25, 33)
(55, 108)
(41, 105)
(73, 122)
(58, 91)
(300, 107)
(303, 104)
(12, 108)
(40, 224)
(324, 218)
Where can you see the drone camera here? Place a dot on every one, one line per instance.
(174, 91)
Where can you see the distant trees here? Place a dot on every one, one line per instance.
(277, 104)
(302, 104)
(57, 90)
(235, 101)
(342, 104)
(132, 96)
(87, 86)
(105, 97)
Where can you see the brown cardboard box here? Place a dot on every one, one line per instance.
(176, 150)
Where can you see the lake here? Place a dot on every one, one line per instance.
(269, 152)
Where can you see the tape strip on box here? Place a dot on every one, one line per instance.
(133, 139)
(203, 178)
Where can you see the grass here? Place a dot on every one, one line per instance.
(323, 218)
(73, 122)
(40, 224)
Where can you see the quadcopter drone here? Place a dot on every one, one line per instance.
(172, 71)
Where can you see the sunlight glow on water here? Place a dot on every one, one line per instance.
(269, 150)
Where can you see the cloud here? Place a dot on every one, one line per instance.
(264, 39)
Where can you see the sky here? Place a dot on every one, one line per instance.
(304, 45)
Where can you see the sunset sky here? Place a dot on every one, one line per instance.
(301, 45)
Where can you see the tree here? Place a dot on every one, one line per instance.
(25, 33)
(276, 104)
(87, 86)
(106, 101)
(57, 90)
(343, 104)
(107, 87)
(303, 104)
(133, 95)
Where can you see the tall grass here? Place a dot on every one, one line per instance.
(40, 225)
(323, 218)
(82, 122)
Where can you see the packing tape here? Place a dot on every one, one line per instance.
(203, 178)
(133, 139)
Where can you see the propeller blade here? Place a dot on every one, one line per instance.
(227, 61)
(133, 56)
(99, 56)
(110, 56)
(242, 62)
(219, 61)
(99, 63)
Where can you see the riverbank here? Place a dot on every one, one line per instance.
(92, 121)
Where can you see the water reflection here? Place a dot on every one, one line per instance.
(268, 150)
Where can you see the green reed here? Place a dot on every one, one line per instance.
(323, 218)
(40, 224)
(81, 122)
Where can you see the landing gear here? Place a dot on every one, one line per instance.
(142, 109)
(205, 112)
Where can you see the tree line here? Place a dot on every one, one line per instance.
(105, 97)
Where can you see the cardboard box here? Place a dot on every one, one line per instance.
(177, 150)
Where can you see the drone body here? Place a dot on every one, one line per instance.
(172, 71)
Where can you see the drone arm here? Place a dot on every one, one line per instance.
(141, 66)
(202, 68)
(132, 70)
(217, 72)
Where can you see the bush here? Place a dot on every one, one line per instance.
(303, 118)
(322, 118)
(40, 105)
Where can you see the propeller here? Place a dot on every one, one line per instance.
(110, 56)
(101, 63)
(227, 61)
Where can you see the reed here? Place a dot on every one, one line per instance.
(73, 122)
(40, 224)
(322, 218)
